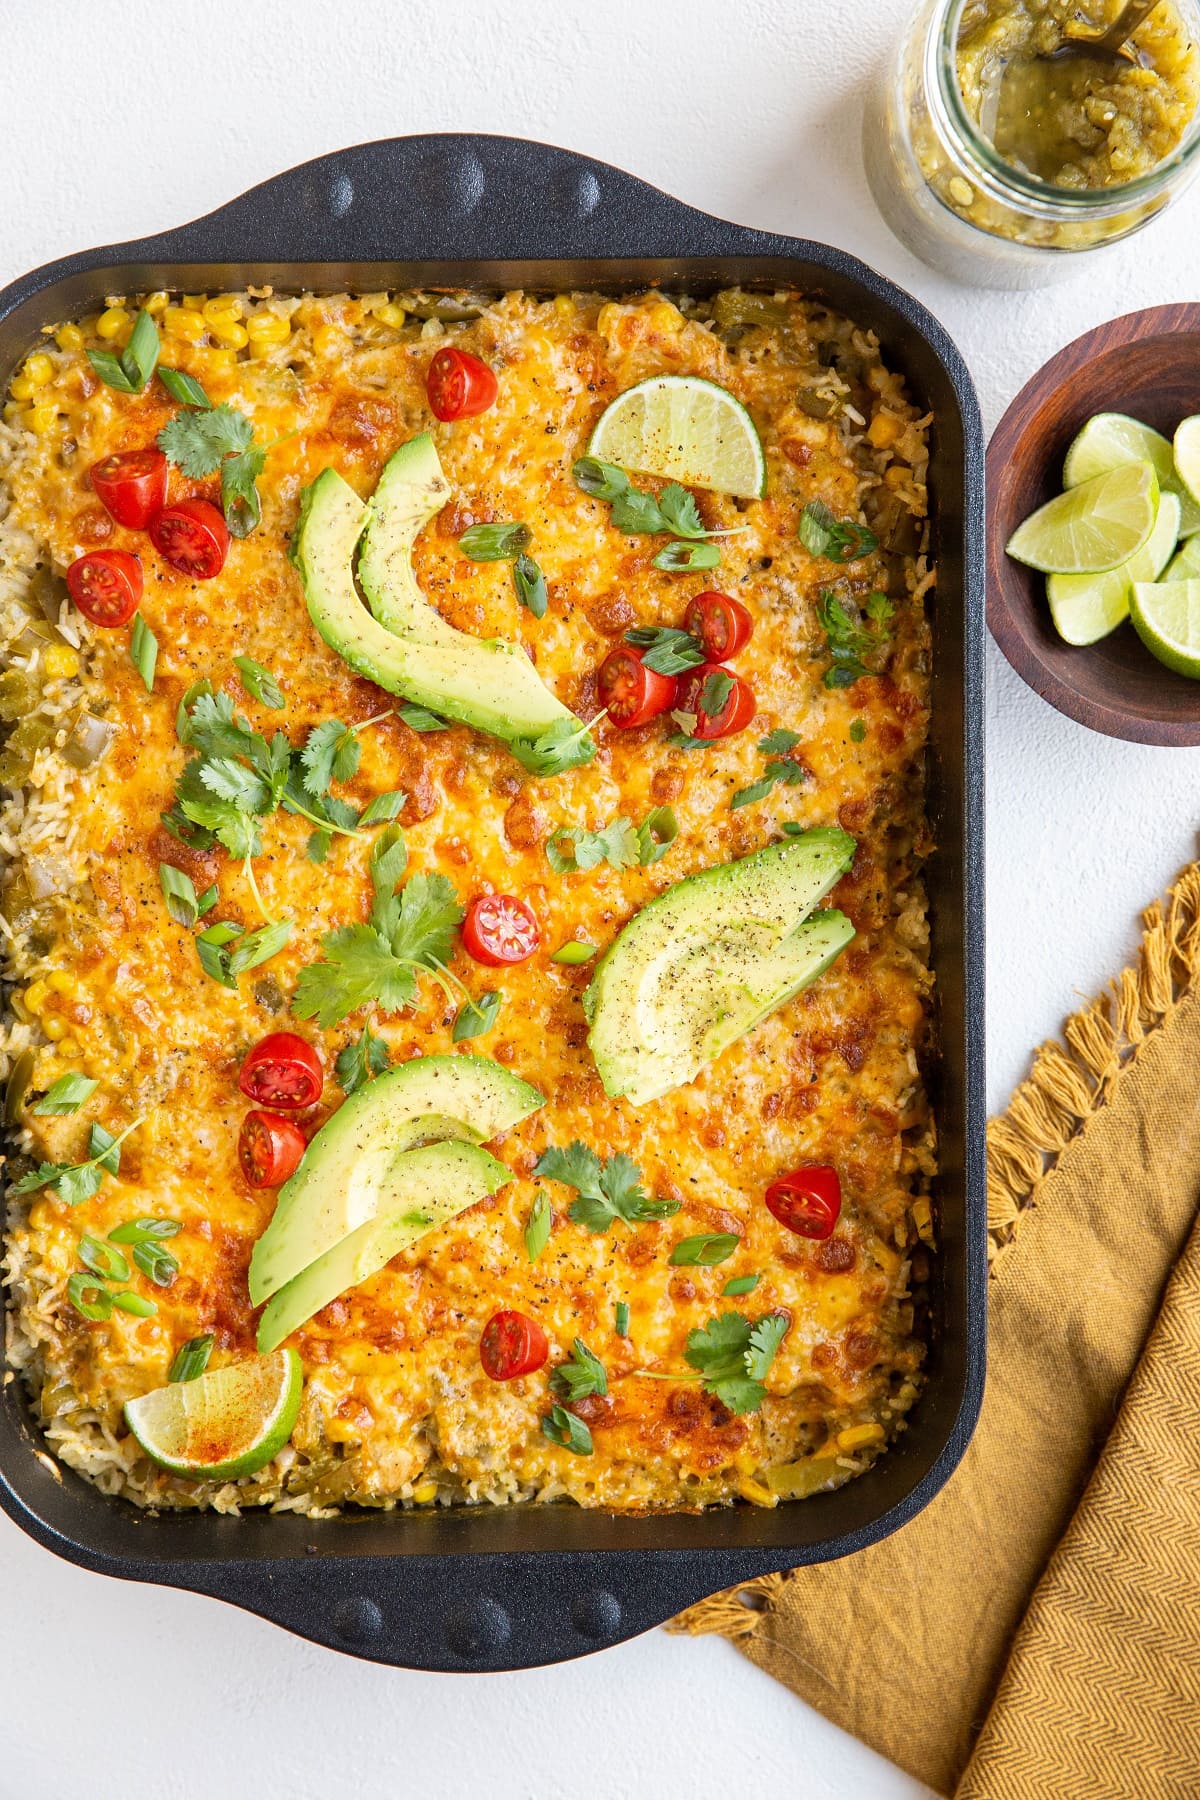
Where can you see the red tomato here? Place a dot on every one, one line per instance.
(632, 693)
(807, 1201)
(459, 385)
(269, 1149)
(193, 537)
(106, 586)
(282, 1070)
(512, 1345)
(499, 929)
(132, 485)
(723, 625)
(735, 712)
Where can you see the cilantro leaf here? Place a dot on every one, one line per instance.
(847, 640)
(361, 1059)
(666, 649)
(765, 1340)
(678, 507)
(358, 969)
(582, 1374)
(784, 771)
(571, 848)
(734, 1356)
(198, 442)
(76, 1182)
(714, 694)
(331, 753)
(607, 1190)
(634, 512)
(564, 745)
(239, 493)
(429, 917)
(778, 742)
(838, 540)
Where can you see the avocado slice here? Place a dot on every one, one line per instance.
(420, 1190)
(483, 682)
(337, 1187)
(708, 960)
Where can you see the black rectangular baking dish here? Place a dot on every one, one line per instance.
(490, 1588)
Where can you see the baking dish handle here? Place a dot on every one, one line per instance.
(447, 197)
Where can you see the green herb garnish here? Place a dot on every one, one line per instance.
(73, 1182)
(143, 650)
(494, 543)
(383, 808)
(255, 947)
(184, 388)
(607, 1190)
(476, 1017)
(665, 649)
(620, 844)
(563, 1428)
(360, 1061)
(530, 584)
(564, 745)
(419, 718)
(191, 1359)
(781, 770)
(582, 1374)
(676, 559)
(634, 512)
(66, 1096)
(839, 540)
(537, 1232)
(733, 1356)
(135, 1303)
(144, 1231)
(102, 1259)
(157, 1264)
(847, 640)
(741, 1284)
(621, 1318)
(129, 371)
(259, 682)
(89, 1296)
(201, 441)
(573, 953)
(714, 693)
(184, 905)
(705, 1250)
(211, 948)
(858, 730)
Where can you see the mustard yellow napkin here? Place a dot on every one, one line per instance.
(1036, 1631)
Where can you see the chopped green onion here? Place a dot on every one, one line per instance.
(656, 833)
(705, 1250)
(191, 1359)
(741, 1284)
(678, 558)
(622, 1318)
(140, 1231)
(858, 730)
(208, 899)
(530, 584)
(107, 365)
(564, 1428)
(493, 543)
(258, 947)
(419, 718)
(140, 355)
(179, 892)
(603, 480)
(90, 1297)
(155, 1262)
(383, 808)
(102, 1259)
(259, 682)
(143, 649)
(210, 948)
(573, 953)
(184, 388)
(537, 1232)
(135, 1304)
(66, 1096)
(476, 1017)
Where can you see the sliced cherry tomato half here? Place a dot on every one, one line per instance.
(512, 1345)
(106, 586)
(269, 1149)
(500, 929)
(193, 537)
(632, 693)
(807, 1201)
(459, 385)
(283, 1070)
(132, 486)
(733, 714)
(723, 625)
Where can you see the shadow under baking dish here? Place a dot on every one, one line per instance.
(489, 1588)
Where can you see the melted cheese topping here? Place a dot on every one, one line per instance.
(397, 1404)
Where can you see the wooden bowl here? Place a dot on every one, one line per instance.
(1148, 365)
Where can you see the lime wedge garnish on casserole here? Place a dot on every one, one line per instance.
(685, 429)
(1093, 527)
(227, 1423)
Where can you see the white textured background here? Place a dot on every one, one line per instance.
(126, 119)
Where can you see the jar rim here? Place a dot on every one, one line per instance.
(1000, 178)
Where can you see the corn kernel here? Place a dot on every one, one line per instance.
(328, 341)
(38, 369)
(185, 324)
(61, 662)
(884, 430)
(425, 1493)
(157, 302)
(665, 317)
(896, 475)
(610, 316)
(227, 331)
(217, 361)
(195, 302)
(68, 1047)
(268, 328)
(42, 418)
(222, 306)
(857, 1437)
(69, 337)
(21, 388)
(391, 314)
(36, 995)
(54, 1028)
(112, 322)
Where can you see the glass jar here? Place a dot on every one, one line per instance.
(949, 196)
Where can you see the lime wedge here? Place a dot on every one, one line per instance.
(1110, 440)
(1166, 616)
(1098, 525)
(1088, 607)
(227, 1423)
(685, 429)
(1185, 566)
(1187, 455)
